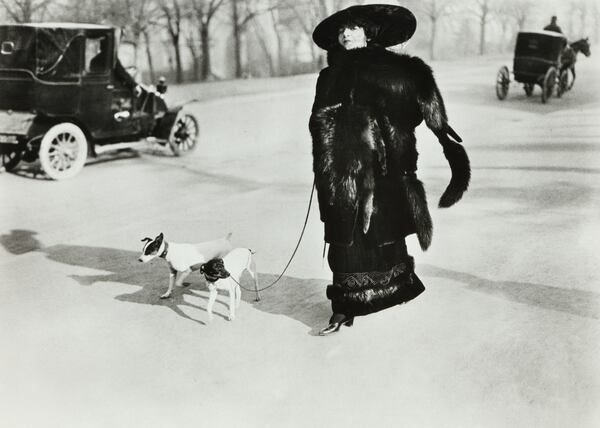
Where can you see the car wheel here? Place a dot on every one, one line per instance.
(9, 158)
(502, 82)
(63, 151)
(184, 135)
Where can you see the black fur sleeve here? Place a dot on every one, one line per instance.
(321, 92)
(433, 110)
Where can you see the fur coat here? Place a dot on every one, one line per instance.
(367, 105)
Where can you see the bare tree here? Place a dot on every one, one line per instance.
(147, 42)
(483, 10)
(24, 10)
(434, 10)
(307, 14)
(204, 12)
(242, 12)
(173, 15)
(504, 13)
(192, 45)
(596, 19)
(464, 38)
(134, 17)
(579, 7)
(520, 11)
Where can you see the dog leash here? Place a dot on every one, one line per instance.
(312, 192)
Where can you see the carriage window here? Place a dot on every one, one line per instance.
(97, 55)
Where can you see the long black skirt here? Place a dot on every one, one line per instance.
(368, 278)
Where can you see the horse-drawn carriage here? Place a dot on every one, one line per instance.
(541, 58)
(61, 97)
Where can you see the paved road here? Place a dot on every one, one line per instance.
(507, 333)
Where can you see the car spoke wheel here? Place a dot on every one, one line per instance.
(502, 82)
(63, 151)
(184, 135)
(548, 84)
(9, 158)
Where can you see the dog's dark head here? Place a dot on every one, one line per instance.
(152, 248)
(214, 269)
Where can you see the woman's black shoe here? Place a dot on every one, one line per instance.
(335, 322)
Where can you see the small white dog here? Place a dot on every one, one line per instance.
(183, 258)
(225, 274)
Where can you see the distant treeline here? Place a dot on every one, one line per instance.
(198, 40)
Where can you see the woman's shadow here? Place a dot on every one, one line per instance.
(300, 299)
(577, 302)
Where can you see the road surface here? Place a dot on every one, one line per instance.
(507, 333)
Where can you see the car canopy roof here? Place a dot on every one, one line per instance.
(40, 46)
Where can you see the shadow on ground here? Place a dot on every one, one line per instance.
(33, 170)
(571, 301)
(299, 299)
(20, 241)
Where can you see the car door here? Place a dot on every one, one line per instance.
(101, 99)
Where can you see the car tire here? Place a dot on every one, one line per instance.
(184, 134)
(502, 82)
(63, 151)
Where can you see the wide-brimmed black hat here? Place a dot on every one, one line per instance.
(388, 24)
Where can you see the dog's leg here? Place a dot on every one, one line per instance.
(181, 276)
(211, 301)
(171, 281)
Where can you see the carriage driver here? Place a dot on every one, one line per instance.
(553, 26)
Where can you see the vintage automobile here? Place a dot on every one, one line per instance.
(536, 62)
(62, 97)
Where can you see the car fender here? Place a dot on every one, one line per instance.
(162, 130)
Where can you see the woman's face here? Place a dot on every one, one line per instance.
(352, 37)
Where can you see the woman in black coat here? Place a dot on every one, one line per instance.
(368, 102)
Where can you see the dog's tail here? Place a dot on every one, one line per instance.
(228, 237)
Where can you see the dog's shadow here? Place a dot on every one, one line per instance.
(300, 299)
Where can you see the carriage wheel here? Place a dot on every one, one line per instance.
(563, 83)
(548, 84)
(502, 82)
(528, 88)
(184, 135)
(9, 158)
(63, 151)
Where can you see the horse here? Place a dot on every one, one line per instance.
(569, 56)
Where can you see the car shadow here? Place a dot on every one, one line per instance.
(577, 302)
(33, 170)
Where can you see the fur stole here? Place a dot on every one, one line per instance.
(344, 142)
